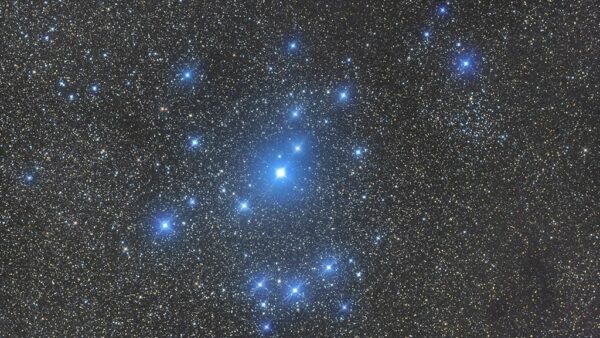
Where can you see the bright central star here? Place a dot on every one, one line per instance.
(280, 172)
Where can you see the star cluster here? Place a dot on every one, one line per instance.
(313, 169)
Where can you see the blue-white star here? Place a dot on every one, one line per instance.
(293, 46)
(194, 142)
(266, 327)
(244, 206)
(28, 178)
(343, 95)
(280, 173)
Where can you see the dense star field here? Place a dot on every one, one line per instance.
(299, 169)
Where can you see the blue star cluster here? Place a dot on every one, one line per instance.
(302, 169)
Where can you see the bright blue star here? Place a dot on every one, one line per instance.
(244, 206)
(466, 64)
(328, 267)
(263, 304)
(345, 307)
(62, 83)
(296, 112)
(295, 292)
(280, 173)
(343, 95)
(28, 178)
(187, 76)
(293, 46)
(442, 9)
(192, 201)
(358, 152)
(165, 225)
(194, 142)
(266, 327)
(427, 34)
(94, 88)
(72, 97)
(297, 148)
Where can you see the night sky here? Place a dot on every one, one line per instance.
(299, 169)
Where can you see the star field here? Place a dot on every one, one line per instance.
(299, 169)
